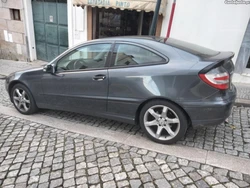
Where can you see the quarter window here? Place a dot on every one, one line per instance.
(131, 55)
(87, 57)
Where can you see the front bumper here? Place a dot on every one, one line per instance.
(8, 80)
(205, 113)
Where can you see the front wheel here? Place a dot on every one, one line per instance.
(163, 121)
(23, 99)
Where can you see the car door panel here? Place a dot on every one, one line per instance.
(80, 83)
(85, 92)
(54, 90)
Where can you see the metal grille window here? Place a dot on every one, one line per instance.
(15, 14)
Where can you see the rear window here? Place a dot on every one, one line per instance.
(191, 48)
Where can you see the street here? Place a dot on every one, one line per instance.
(45, 150)
(34, 155)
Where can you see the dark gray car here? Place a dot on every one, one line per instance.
(164, 85)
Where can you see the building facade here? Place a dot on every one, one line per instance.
(12, 30)
(42, 29)
(219, 25)
(109, 18)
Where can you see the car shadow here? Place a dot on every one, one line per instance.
(225, 138)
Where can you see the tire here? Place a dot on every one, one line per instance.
(163, 121)
(25, 97)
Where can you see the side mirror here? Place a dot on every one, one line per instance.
(49, 68)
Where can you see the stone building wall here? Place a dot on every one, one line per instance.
(12, 32)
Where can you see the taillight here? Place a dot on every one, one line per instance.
(218, 78)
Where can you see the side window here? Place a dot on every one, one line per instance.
(88, 57)
(129, 55)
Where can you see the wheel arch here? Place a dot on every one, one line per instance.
(12, 84)
(159, 98)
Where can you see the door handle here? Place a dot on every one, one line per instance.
(99, 77)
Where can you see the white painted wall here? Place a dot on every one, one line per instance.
(210, 23)
(165, 22)
(77, 24)
(29, 29)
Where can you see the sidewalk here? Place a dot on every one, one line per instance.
(243, 94)
(9, 66)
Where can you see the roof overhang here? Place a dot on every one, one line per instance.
(138, 5)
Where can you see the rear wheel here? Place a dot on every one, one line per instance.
(23, 99)
(163, 121)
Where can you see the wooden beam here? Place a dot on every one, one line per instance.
(89, 23)
(159, 24)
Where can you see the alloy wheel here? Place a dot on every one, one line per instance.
(21, 100)
(161, 122)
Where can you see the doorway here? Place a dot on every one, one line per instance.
(50, 27)
(243, 61)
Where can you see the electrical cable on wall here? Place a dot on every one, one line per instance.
(4, 1)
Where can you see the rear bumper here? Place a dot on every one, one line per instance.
(205, 113)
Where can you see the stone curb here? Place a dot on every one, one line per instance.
(2, 77)
(242, 103)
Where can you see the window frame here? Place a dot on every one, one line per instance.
(15, 14)
(112, 59)
(55, 63)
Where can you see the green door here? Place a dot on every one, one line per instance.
(51, 28)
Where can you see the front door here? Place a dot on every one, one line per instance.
(86, 91)
(50, 27)
(84, 76)
(54, 90)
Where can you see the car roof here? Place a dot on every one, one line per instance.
(130, 38)
(194, 49)
(182, 45)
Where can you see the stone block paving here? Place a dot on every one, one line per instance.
(231, 138)
(35, 155)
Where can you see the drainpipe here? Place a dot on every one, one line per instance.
(171, 18)
(155, 18)
(25, 33)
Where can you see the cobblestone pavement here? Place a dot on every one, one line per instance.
(232, 138)
(35, 155)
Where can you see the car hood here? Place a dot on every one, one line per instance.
(31, 70)
(16, 75)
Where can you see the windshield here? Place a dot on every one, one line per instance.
(191, 48)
